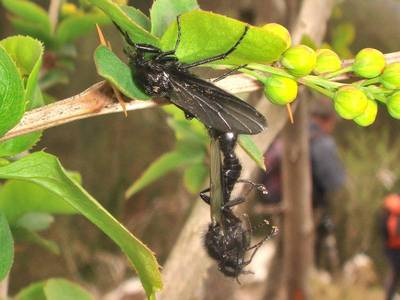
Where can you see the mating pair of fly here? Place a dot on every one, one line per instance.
(161, 74)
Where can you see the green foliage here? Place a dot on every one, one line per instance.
(110, 67)
(205, 34)
(137, 16)
(161, 166)
(126, 22)
(18, 198)
(164, 12)
(6, 247)
(26, 53)
(61, 289)
(12, 105)
(53, 289)
(29, 18)
(46, 171)
(252, 150)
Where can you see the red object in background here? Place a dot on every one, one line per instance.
(392, 205)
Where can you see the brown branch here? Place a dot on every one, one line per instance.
(54, 10)
(98, 100)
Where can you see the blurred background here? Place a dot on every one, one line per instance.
(110, 152)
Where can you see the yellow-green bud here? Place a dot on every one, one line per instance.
(391, 76)
(299, 60)
(280, 31)
(3, 162)
(369, 115)
(369, 63)
(327, 61)
(350, 102)
(68, 9)
(393, 105)
(280, 90)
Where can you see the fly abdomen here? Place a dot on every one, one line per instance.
(231, 171)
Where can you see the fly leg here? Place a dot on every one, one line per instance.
(178, 40)
(217, 57)
(206, 198)
(228, 73)
(260, 187)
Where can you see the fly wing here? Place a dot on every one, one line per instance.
(213, 106)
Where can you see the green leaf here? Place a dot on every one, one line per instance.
(35, 221)
(12, 104)
(137, 16)
(20, 197)
(33, 291)
(6, 247)
(61, 289)
(29, 11)
(119, 16)
(110, 67)
(27, 54)
(164, 12)
(252, 150)
(19, 144)
(34, 30)
(205, 34)
(25, 235)
(46, 171)
(195, 176)
(79, 25)
(161, 166)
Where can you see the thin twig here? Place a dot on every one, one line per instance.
(54, 9)
(99, 100)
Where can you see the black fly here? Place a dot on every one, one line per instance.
(227, 239)
(162, 75)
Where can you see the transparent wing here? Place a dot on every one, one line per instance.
(213, 106)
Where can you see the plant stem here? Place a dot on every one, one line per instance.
(54, 9)
(339, 72)
(270, 69)
(4, 287)
(319, 89)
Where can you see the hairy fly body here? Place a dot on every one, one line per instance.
(161, 74)
(228, 241)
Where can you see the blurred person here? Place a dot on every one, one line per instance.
(390, 227)
(328, 175)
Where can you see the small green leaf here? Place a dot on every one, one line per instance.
(161, 166)
(114, 70)
(119, 16)
(29, 11)
(12, 104)
(34, 291)
(205, 34)
(137, 16)
(35, 221)
(6, 247)
(79, 25)
(18, 198)
(195, 176)
(164, 12)
(19, 144)
(252, 150)
(27, 54)
(61, 289)
(46, 171)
